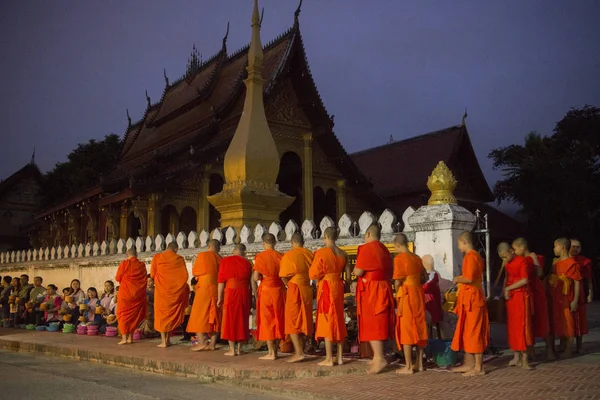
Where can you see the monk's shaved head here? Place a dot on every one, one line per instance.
(427, 262)
(173, 246)
(575, 247)
(563, 242)
(214, 244)
(330, 233)
(239, 250)
(401, 239)
(503, 248)
(521, 242)
(269, 239)
(374, 231)
(132, 252)
(505, 252)
(298, 239)
(466, 237)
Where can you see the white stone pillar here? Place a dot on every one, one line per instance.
(437, 228)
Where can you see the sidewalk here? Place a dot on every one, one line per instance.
(577, 378)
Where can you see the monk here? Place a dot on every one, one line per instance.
(234, 298)
(171, 291)
(586, 294)
(327, 268)
(433, 295)
(518, 305)
(374, 295)
(564, 282)
(540, 320)
(299, 297)
(205, 319)
(131, 302)
(472, 333)
(270, 301)
(411, 325)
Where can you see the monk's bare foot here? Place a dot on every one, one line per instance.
(515, 362)
(240, 353)
(419, 368)
(528, 367)
(130, 341)
(164, 345)
(565, 354)
(551, 356)
(377, 366)
(231, 353)
(474, 372)
(326, 363)
(123, 342)
(462, 368)
(405, 371)
(269, 357)
(370, 362)
(296, 358)
(340, 361)
(199, 347)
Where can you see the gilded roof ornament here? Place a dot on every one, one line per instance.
(194, 62)
(297, 12)
(226, 36)
(441, 183)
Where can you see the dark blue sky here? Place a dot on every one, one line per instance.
(383, 67)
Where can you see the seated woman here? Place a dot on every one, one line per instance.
(53, 302)
(13, 301)
(78, 294)
(90, 316)
(69, 306)
(5, 292)
(147, 326)
(108, 302)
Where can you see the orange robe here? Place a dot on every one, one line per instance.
(472, 333)
(171, 290)
(235, 273)
(411, 325)
(205, 314)
(581, 321)
(374, 295)
(270, 302)
(131, 302)
(299, 297)
(540, 321)
(519, 305)
(327, 268)
(561, 282)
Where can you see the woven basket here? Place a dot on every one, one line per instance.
(67, 317)
(82, 319)
(98, 310)
(69, 299)
(44, 306)
(188, 310)
(11, 299)
(83, 307)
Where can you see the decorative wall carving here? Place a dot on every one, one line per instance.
(283, 107)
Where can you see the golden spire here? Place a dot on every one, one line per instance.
(441, 183)
(252, 157)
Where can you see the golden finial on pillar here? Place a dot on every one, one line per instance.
(441, 183)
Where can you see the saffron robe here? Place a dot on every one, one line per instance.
(561, 283)
(270, 302)
(205, 317)
(171, 290)
(581, 321)
(131, 301)
(411, 325)
(433, 298)
(327, 268)
(299, 297)
(472, 333)
(235, 272)
(540, 321)
(374, 295)
(519, 305)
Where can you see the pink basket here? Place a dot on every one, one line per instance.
(137, 335)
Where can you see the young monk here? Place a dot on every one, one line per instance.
(518, 305)
(433, 296)
(374, 295)
(411, 326)
(270, 302)
(586, 294)
(205, 319)
(299, 298)
(172, 291)
(327, 267)
(234, 298)
(540, 322)
(472, 332)
(131, 301)
(564, 284)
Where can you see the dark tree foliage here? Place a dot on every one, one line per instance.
(84, 169)
(556, 180)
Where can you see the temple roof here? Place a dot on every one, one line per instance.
(402, 167)
(30, 170)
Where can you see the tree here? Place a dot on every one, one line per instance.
(84, 169)
(556, 180)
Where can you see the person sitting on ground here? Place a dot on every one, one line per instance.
(91, 318)
(147, 326)
(36, 296)
(23, 297)
(4, 294)
(53, 302)
(69, 306)
(78, 293)
(107, 303)
(187, 336)
(13, 306)
(433, 296)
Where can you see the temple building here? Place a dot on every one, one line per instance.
(173, 158)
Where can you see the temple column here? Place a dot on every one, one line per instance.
(203, 204)
(123, 224)
(307, 177)
(341, 198)
(151, 221)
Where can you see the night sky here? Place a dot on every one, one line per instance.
(70, 69)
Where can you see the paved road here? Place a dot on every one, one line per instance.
(26, 376)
